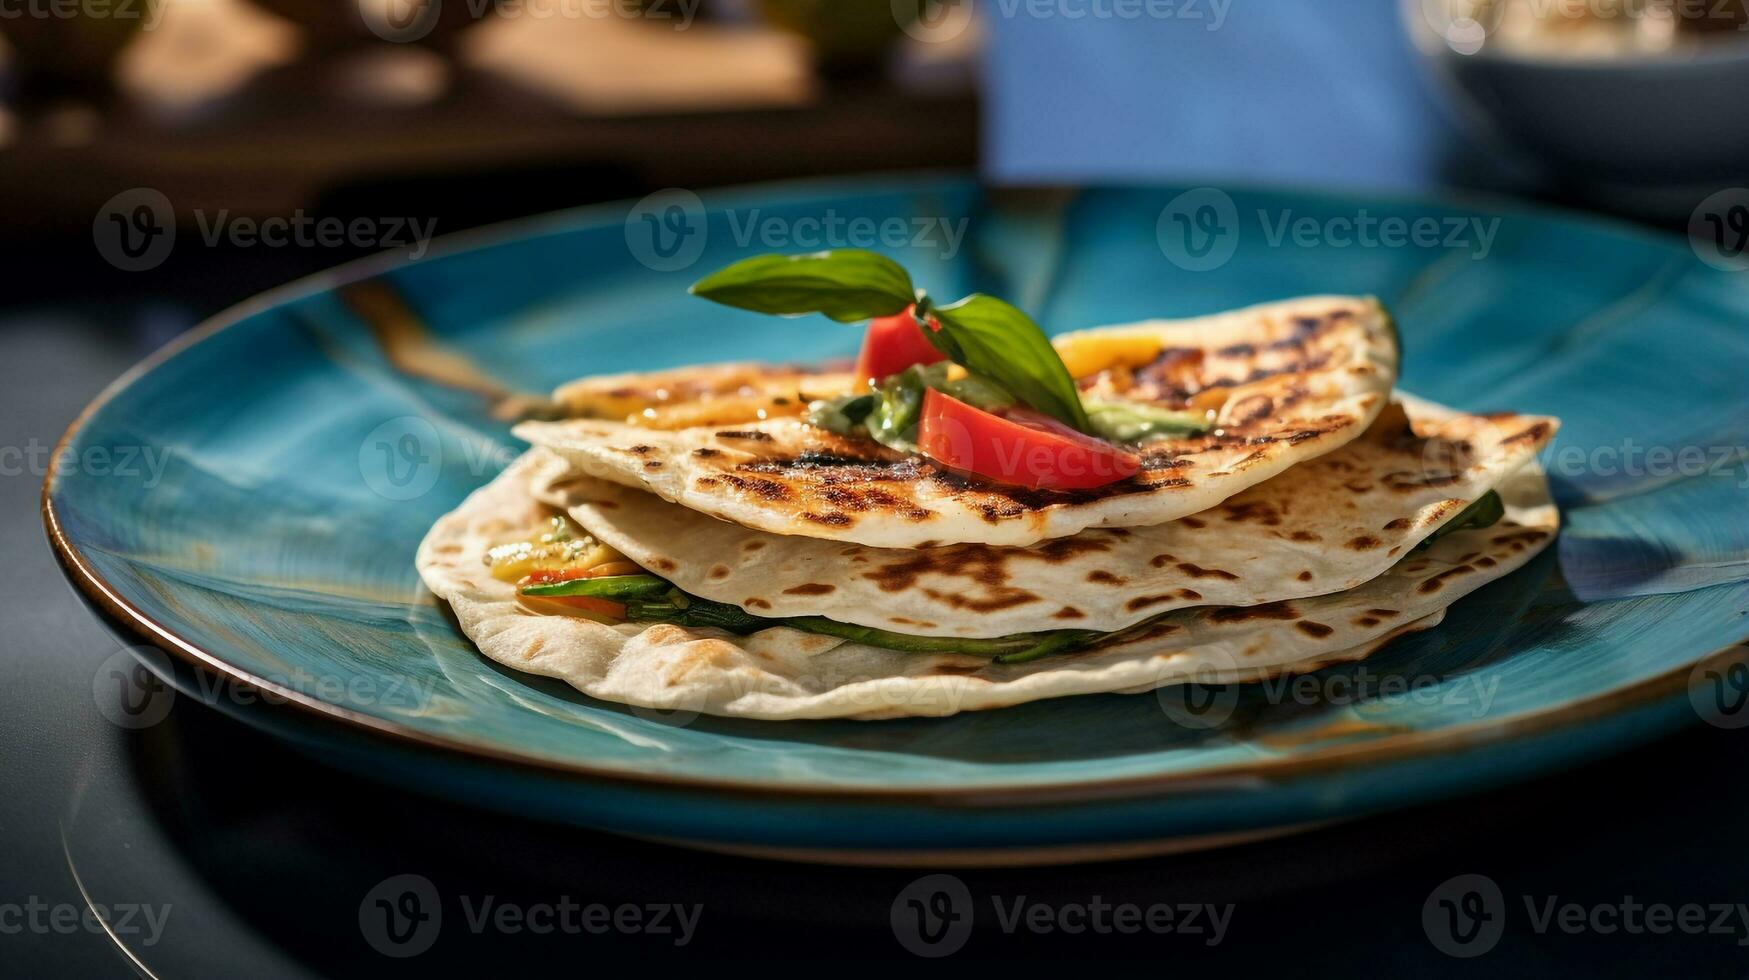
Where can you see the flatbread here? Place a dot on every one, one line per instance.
(1300, 378)
(1326, 525)
(783, 673)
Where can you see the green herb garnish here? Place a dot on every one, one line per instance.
(1134, 422)
(614, 587)
(846, 285)
(893, 423)
(683, 609)
(889, 414)
(843, 415)
(994, 340)
(989, 338)
(1484, 511)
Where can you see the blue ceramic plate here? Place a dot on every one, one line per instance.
(288, 458)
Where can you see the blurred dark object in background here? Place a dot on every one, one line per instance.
(847, 38)
(1637, 104)
(457, 112)
(55, 58)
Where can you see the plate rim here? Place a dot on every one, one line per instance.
(1386, 749)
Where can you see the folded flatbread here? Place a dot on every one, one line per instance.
(782, 673)
(1292, 380)
(1325, 525)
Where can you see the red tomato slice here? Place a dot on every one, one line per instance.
(892, 344)
(1022, 449)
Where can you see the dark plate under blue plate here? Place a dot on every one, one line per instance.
(288, 458)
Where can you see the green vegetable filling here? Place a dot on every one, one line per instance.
(651, 599)
(890, 412)
(1484, 511)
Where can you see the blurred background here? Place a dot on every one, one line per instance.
(453, 113)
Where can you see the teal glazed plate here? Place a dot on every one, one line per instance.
(289, 457)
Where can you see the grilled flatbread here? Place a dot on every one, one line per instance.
(1288, 382)
(1327, 524)
(782, 673)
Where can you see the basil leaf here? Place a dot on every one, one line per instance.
(1134, 422)
(845, 284)
(992, 339)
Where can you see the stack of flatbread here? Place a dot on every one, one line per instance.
(1308, 527)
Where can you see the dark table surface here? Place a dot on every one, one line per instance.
(231, 855)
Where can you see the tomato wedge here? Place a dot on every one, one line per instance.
(892, 344)
(1021, 448)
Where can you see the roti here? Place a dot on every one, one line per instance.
(1326, 525)
(782, 673)
(1287, 382)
